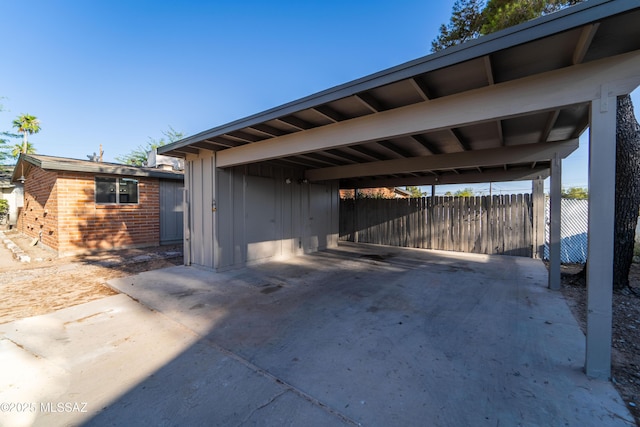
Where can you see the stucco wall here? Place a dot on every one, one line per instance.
(60, 208)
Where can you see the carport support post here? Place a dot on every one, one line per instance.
(554, 222)
(538, 218)
(602, 173)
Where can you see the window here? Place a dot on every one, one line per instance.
(116, 190)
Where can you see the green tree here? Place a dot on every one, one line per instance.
(415, 191)
(465, 192)
(470, 20)
(17, 149)
(4, 209)
(26, 124)
(578, 193)
(464, 25)
(139, 155)
(4, 139)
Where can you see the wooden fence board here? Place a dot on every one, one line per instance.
(484, 224)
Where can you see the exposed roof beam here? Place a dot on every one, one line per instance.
(457, 136)
(329, 113)
(221, 142)
(488, 69)
(551, 121)
(188, 150)
(367, 152)
(369, 101)
(421, 87)
(586, 37)
(466, 159)
(344, 155)
(519, 174)
(426, 144)
(302, 162)
(581, 126)
(323, 159)
(394, 147)
(550, 90)
(207, 145)
(267, 130)
(243, 136)
(500, 133)
(296, 122)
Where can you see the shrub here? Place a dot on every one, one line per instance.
(4, 209)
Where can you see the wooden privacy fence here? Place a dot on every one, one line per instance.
(485, 224)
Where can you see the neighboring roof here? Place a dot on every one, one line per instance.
(585, 33)
(5, 176)
(52, 163)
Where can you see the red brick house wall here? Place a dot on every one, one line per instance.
(378, 193)
(62, 206)
(39, 216)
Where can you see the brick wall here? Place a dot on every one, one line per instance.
(39, 216)
(62, 205)
(374, 193)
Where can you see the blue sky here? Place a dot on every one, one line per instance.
(119, 72)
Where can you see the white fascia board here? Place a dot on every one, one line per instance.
(527, 153)
(546, 91)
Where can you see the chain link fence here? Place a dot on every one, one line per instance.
(573, 231)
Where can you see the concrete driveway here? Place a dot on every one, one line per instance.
(358, 335)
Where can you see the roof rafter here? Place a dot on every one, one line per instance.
(369, 101)
(515, 174)
(329, 113)
(267, 130)
(586, 37)
(296, 122)
(551, 121)
(395, 148)
(466, 159)
(421, 87)
(545, 91)
(426, 144)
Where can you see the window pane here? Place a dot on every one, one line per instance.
(105, 190)
(128, 190)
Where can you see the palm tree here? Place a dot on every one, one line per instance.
(26, 124)
(18, 148)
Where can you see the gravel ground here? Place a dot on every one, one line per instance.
(49, 283)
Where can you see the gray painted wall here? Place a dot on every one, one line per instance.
(171, 215)
(249, 214)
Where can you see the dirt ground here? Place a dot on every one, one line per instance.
(626, 330)
(49, 283)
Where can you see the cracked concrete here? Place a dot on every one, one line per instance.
(359, 335)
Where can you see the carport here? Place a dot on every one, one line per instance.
(509, 106)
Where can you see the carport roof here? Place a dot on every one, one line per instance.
(381, 148)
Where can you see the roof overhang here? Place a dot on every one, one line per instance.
(510, 100)
(50, 163)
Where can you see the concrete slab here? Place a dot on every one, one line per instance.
(115, 362)
(359, 335)
(378, 336)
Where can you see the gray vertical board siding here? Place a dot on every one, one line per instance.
(258, 215)
(171, 212)
(201, 200)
